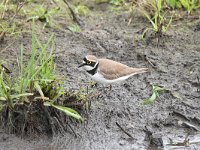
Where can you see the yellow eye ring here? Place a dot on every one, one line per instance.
(89, 62)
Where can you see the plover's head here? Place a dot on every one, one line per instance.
(89, 62)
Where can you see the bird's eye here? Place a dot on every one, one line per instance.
(89, 62)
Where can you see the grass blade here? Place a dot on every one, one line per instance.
(68, 111)
(159, 5)
(38, 88)
(21, 95)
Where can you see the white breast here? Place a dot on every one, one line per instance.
(100, 79)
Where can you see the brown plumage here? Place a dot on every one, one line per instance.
(91, 57)
(111, 69)
(107, 71)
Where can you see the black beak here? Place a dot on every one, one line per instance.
(81, 65)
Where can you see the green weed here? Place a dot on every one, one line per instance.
(174, 3)
(74, 28)
(81, 10)
(68, 111)
(14, 17)
(101, 1)
(117, 2)
(190, 5)
(155, 93)
(36, 81)
(44, 14)
(159, 21)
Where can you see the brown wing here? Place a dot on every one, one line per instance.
(111, 69)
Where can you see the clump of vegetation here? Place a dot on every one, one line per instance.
(161, 13)
(188, 5)
(14, 16)
(34, 100)
(45, 15)
(156, 11)
(74, 28)
(156, 90)
(153, 10)
(81, 10)
(8, 24)
(117, 2)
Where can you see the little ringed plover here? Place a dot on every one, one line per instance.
(107, 71)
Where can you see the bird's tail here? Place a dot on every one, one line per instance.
(140, 70)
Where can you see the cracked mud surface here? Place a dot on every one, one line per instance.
(177, 69)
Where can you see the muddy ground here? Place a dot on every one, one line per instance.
(175, 66)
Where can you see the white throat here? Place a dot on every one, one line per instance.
(88, 68)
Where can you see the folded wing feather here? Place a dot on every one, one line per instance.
(111, 69)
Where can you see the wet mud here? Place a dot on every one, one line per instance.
(118, 119)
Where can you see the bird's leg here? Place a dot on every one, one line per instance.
(110, 87)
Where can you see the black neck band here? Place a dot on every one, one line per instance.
(93, 71)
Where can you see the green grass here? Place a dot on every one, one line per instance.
(74, 28)
(188, 5)
(173, 3)
(160, 13)
(43, 14)
(36, 80)
(117, 2)
(54, 15)
(81, 10)
(157, 16)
